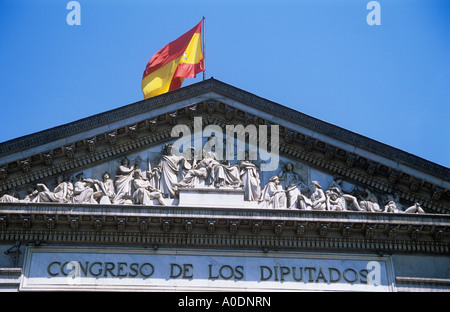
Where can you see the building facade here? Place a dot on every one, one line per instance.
(267, 198)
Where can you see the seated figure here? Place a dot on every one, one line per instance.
(198, 171)
(273, 195)
(106, 187)
(83, 191)
(335, 200)
(145, 192)
(391, 207)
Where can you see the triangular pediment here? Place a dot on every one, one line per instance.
(318, 151)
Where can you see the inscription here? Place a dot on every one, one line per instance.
(53, 268)
(308, 274)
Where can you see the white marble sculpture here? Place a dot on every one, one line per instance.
(335, 200)
(349, 199)
(168, 171)
(250, 179)
(62, 193)
(122, 183)
(145, 192)
(318, 198)
(83, 192)
(273, 195)
(10, 197)
(197, 171)
(391, 207)
(106, 187)
(164, 184)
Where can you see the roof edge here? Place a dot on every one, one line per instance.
(236, 94)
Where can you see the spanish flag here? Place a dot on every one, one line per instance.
(182, 58)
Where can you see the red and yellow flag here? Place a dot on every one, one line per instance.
(182, 58)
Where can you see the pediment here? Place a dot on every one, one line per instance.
(317, 151)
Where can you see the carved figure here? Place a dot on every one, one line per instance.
(10, 197)
(288, 177)
(32, 193)
(337, 183)
(145, 192)
(370, 203)
(198, 171)
(106, 187)
(83, 191)
(295, 197)
(168, 171)
(62, 193)
(122, 183)
(391, 207)
(318, 198)
(250, 178)
(273, 195)
(335, 200)
(223, 174)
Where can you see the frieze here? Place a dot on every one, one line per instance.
(200, 226)
(132, 185)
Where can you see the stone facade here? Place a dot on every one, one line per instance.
(335, 194)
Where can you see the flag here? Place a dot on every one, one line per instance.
(182, 58)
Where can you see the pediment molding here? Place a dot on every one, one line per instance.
(225, 227)
(155, 129)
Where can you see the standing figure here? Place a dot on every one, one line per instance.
(295, 197)
(318, 198)
(250, 178)
(122, 183)
(168, 170)
(288, 177)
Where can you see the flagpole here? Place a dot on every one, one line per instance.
(204, 54)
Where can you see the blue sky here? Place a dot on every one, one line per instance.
(389, 82)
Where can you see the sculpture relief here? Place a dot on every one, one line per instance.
(62, 193)
(122, 183)
(106, 187)
(145, 192)
(168, 171)
(273, 194)
(83, 191)
(197, 171)
(251, 182)
(161, 185)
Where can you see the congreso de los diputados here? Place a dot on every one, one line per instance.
(212, 188)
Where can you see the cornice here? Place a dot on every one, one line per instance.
(225, 227)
